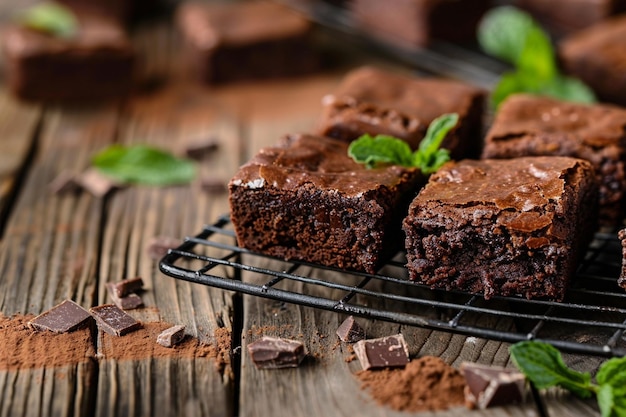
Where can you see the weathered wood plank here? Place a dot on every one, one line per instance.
(49, 253)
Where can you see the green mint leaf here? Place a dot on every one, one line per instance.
(569, 89)
(50, 18)
(502, 33)
(605, 400)
(544, 366)
(143, 164)
(429, 157)
(381, 149)
(537, 56)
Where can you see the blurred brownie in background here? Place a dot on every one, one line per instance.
(418, 22)
(373, 101)
(597, 55)
(566, 16)
(250, 40)
(117, 10)
(528, 125)
(95, 63)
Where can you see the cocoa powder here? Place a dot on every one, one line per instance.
(425, 384)
(23, 347)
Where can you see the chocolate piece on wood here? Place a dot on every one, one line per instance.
(199, 149)
(172, 336)
(384, 352)
(113, 320)
(490, 386)
(350, 331)
(62, 318)
(65, 182)
(126, 302)
(214, 185)
(159, 245)
(95, 182)
(273, 353)
(127, 286)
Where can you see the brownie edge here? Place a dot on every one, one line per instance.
(502, 227)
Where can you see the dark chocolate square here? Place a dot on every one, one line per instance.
(113, 320)
(62, 318)
(490, 386)
(384, 352)
(274, 353)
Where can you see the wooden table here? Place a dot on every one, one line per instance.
(55, 247)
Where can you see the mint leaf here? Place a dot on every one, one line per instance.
(613, 372)
(50, 18)
(502, 32)
(544, 366)
(382, 149)
(143, 164)
(537, 57)
(569, 89)
(605, 400)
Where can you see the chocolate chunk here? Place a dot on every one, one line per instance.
(350, 331)
(199, 149)
(384, 352)
(273, 353)
(489, 386)
(172, 336)
(126, 286)
(214, 185)
(65, 182)
(96, 183)
(62, 318)
(113, 320)
(159, 245)
(127, 302)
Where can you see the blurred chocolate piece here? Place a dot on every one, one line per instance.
(115, 10)
(94, 64)
(126, 286)
(62, 318)
(95, 183)
(273, 353)
(113, 320)
(199, 149)
(65, 182)
(159, 245)
(384, 352)
(490, 386)
(126, 302)
(172, 336)
(350, 331)
(214, 185)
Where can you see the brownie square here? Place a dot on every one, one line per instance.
(514, 227)
(418, 22)
(597, 55)
(621, 281)
(374, 101)
(565, 16)
(306, 199)
(95, 64)
(249, 40)
(527, 125)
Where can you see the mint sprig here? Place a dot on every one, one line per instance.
(142, 164)
(50, 18)
(543, 365)
(383, 149)
(513, 36)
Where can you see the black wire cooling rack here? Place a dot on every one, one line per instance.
(591, 321)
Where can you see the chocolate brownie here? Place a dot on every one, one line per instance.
(418, 22)
(248, 40)
(565, 16)
(374, 101)
(116, 10)
(513, 227)
(527, 125)
(306, 199)
(95, 64)
(621, 235)
(597, 55)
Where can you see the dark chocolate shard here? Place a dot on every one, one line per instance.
(126, 286)
(96, 183)
(62, 318)
(65, 182)
(384, 352)
(490, 386)
(214, 186)
(350, 331)
(127, 302)
(273, 353)
(113, 320)
(172, 336)
(201, 148)
(159, 245)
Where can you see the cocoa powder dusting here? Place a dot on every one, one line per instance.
(425, 384)
(23, 347)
